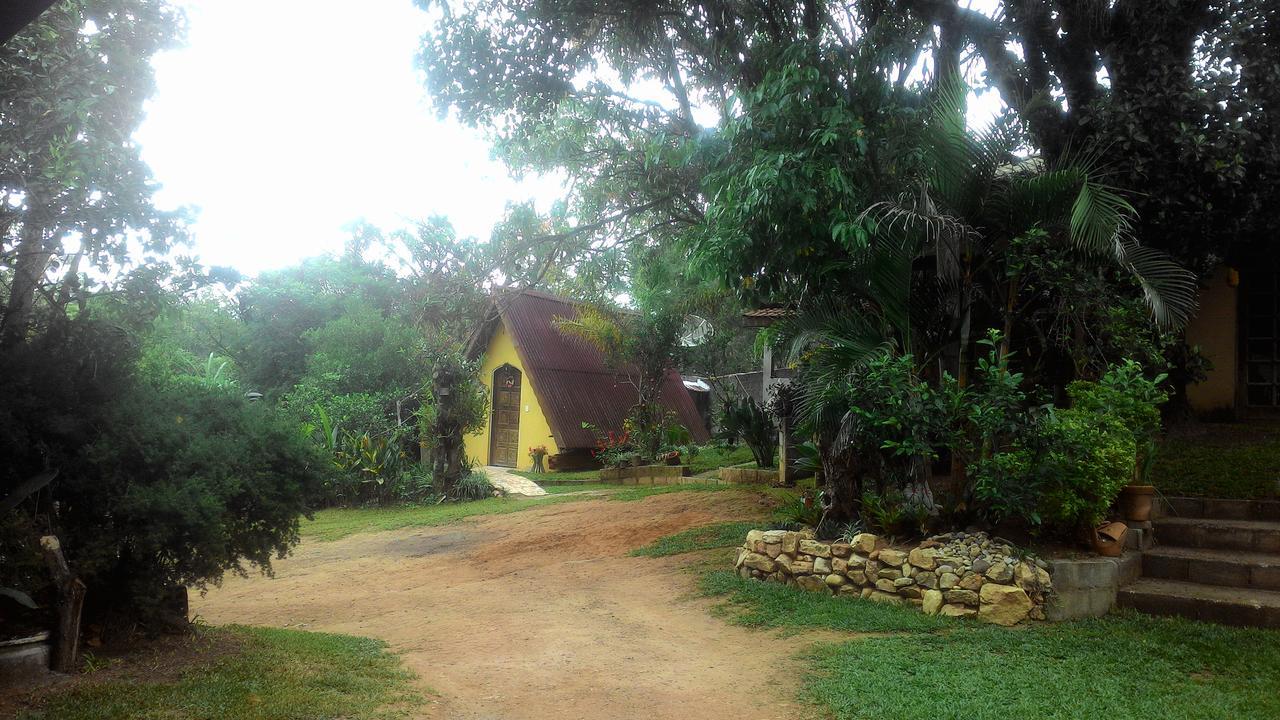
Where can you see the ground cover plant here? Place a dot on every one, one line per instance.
(337, 523)
(720, 535)
(1121, 666)
(1230, 460)
(258, 674)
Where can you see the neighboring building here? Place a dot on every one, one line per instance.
(544, 385)
(1238, 329)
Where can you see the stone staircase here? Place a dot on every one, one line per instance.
(1214, 560)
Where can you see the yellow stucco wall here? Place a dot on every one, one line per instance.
(1214, 330)
(534, 428)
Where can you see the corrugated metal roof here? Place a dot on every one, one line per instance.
(570, 378)
(764, 317)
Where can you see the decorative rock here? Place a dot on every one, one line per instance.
(835, 581)
(872, 567)
(889, 573)
(857, 576)
(957, 611)
(972, 581)
(841, 550)
(849, 591)
(822, 566)
(867, 592)
(784, 564)
(864, 543)
(1004, 604)
(892, 557)
(756, 561)
(1037, 613)
(910, 592)
(1031, 578)
(839, 565)
(856, 561)
(774, 537)
(927, 579)
(932, 602)
(887, 598)
(753, 537)
(790, 543)
(742, 553)
(1000, 572)
(815, 548)
(962, 597)
(886, 586)
(773, 550)
(812, 583)
(801, 567)
(981, 565)
(948, 580)
(923, 558)
(903, 582)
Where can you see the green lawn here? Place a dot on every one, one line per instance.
(1120, 667)
(577, 476)
(337, 523)
(712, 457)
(270, 674)
(1230, 460)
(720, 535)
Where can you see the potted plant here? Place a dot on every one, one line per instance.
(538, 452)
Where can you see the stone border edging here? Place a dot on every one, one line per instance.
(956, 574)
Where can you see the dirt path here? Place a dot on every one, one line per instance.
(537, 614)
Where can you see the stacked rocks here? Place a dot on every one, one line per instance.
(957, 574)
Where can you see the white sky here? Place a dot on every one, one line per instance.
(283, 121)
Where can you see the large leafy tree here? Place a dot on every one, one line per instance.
(73, 188)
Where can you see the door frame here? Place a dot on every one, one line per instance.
(493, 412)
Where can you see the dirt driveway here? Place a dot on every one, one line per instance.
(537, 614)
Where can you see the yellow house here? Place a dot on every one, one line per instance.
(555, 390)
(1238, 329)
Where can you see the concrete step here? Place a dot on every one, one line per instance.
(1209, 603)
(1220, 509)
(1228, 568)
(1246, 535)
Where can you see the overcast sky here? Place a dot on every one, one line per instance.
(283, 121)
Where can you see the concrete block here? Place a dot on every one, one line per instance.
(1083, 573)
(1083, 603)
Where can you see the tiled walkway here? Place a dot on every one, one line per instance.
(512, 484)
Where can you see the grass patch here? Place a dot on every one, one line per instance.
(761, 604)
(273, 675)
(578, 487)
(1120, 667)
(576, 476)
(337, 523)
(632, 493)
(712, 457)
(1229, 460)
(720, 535)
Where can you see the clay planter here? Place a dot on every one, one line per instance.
(1136, 502)
(1108, 539)
(24, 659)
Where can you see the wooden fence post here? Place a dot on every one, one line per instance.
(70, 602)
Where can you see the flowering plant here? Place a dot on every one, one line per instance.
(537, 451)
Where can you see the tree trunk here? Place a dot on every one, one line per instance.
(32, 259)
(70, 602)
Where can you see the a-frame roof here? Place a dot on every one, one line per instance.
(570, 378)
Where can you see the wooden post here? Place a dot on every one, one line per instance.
(70, 602)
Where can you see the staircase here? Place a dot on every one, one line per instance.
(1215, 560)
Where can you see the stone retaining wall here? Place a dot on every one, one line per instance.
(748, 476)
(957, 574)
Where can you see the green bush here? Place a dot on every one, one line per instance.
(746, 420)
(473, 486)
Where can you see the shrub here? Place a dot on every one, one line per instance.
(473, 486)
(746, 420)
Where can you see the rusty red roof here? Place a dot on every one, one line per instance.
(570, 378)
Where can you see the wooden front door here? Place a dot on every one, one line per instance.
(504, 433)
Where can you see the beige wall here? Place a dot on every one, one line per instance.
(1214, 330)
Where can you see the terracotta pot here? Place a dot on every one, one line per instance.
(1136, 502)
(1108, 539)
